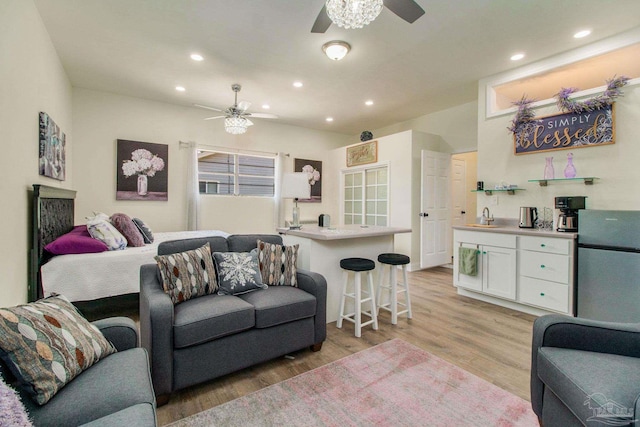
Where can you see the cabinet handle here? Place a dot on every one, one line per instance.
(542, 245)
(484, 252)
(542, 266)
(541, 294)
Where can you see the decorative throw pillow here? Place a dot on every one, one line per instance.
(238, 272)
(128, 229)
(12, 411)
(47, 343)
(189, 274)
(144, 229)
(77, 241)
(278, 263)
(100, 228)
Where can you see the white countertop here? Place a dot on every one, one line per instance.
(343, 232)
(510, 229)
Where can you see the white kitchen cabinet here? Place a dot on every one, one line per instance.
(529, 273)
(496, 263)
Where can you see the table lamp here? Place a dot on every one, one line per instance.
(296, 186)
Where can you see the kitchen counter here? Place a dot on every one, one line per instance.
(511, 229)
(344, 232)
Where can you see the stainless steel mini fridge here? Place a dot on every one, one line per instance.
(608, 283)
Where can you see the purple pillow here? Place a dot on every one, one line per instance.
(77, 241)
(127, 228)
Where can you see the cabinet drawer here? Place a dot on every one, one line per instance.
(549, 295)
(545, 244)
(484, 238)
(544, 266)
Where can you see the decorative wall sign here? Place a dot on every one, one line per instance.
(362, 154)
(313, 168)
(142, 171)
(52, 148)
(566, 131)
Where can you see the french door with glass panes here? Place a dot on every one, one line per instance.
(366, 196)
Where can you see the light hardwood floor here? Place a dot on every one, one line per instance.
(491, 342)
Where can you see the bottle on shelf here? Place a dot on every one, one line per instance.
(570, 169)
(548, 168)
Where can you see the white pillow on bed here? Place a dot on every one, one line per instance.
(100, 228)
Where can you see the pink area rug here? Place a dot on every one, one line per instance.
(391, 384)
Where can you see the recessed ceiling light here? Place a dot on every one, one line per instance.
(329, 119)
(266, 106)
(517, 57)
(369, 102)
(180, 89)
(297, 84)
(196, 57)
(581, 34)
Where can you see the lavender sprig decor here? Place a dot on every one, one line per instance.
(524, 116)
(606, 98)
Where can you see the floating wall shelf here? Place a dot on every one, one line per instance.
(510, 191)
(543, 182)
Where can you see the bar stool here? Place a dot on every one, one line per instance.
(358, 265)
(392, 261)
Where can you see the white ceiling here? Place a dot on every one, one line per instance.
(141, 48)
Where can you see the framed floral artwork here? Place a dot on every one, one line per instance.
(313, 168)
(142, 171)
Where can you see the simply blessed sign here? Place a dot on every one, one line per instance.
(567, 130)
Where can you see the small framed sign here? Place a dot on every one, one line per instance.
(362, 154)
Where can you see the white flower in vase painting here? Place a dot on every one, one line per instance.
(142, 162)
(312, 173)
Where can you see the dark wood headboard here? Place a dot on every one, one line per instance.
(52, 215)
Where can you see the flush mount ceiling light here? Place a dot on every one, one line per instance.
(336, 49)
(353, 13)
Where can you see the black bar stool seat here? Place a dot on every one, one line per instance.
(357, 264)
(394, 259)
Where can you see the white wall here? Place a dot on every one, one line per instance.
(616, 165)
(457, 126)
(100, 118)
(31, 80)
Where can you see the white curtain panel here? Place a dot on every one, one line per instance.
(278, 208)
(193, 193)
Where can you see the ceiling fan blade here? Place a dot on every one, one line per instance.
(264, 115)
(207, 107)
(323, 22)
(249, 122)
(408, 10)
(244, 105)
(215, 117)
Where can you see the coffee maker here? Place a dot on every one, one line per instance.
(569, 206)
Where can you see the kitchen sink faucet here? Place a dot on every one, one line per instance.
(486, 220)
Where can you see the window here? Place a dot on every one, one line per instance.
(366, 197)
(235, 174)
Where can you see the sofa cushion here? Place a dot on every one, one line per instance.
(216, 244)
(140, 415)
(238, 272)
(210, 317)
(586, 381)
(280, 304)
(249, 242)
(187, 275)
(115, 383)
(278, 264)
(47, 343)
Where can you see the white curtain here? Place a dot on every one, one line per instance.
(193, 193)
(278, 206)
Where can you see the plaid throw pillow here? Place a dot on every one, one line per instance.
(48, 343)
(278, 264)
(189, 274)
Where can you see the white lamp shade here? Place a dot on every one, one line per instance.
(295, 185)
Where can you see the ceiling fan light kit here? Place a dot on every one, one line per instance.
(235, 125)
(336, 49)
(353, 13)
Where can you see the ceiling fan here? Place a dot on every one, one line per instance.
(236, 117)
(408, 10)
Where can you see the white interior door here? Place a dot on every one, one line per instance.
(435, 214)
(458, 192)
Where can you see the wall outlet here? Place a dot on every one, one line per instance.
(493, 200)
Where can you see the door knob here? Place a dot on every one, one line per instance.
(463, 212)
(424, 214)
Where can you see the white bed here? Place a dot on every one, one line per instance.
(89, 277)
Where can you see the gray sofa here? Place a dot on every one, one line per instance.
(213, 335)
(116, 391)
(585, 372)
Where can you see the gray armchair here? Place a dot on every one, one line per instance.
(585, 372)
